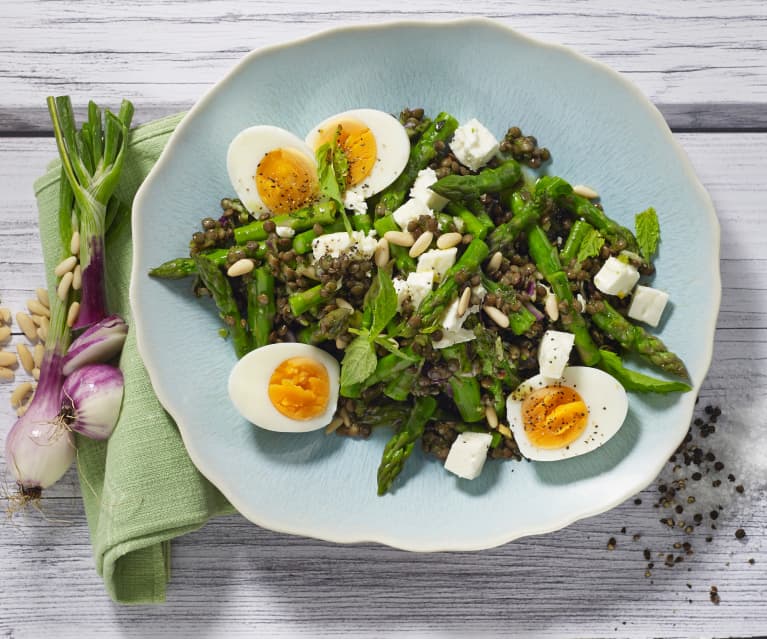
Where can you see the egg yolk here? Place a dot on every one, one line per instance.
(300, 388)
(358, 144)
(286, 180)
(554, 416)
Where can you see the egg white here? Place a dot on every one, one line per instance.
(246, 151)
(392, 146)
(249, 387)
(603, 395)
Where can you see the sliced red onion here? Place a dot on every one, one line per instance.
(37, 449)
(91, 400)
(100, 343)
(538, 315)
(531, 288)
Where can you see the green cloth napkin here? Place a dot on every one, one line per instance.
(140, 489)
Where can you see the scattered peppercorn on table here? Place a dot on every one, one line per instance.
(687, 557)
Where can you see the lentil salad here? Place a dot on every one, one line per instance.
(527, 252)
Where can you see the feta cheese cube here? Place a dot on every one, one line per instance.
(421, 190)
(616, 277)
(457, 336)
(473, 145)
(419, 286)
(411, 210)
(334, 244)
(468, 454)
(554, 353)
(355, 201)
(284, 231)
(401, 289)
(647, 305)
(437, 260)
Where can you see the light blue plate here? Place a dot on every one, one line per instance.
(601, 131)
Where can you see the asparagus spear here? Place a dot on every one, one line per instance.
(261, 305)
(423, 152)
(478, 227)
(435, 303)
(181, 267)
(218, 285)
(317, 213)
(521, 320)
(526, 212)
(305, 300)
(634, 381)
(465, 384)
(401, 445)
(402, 259)
(302, 242)
(595, 216)
(635, 338)
(547, 261)
(469, 187)
(578, 231)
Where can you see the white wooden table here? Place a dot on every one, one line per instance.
(703, 63)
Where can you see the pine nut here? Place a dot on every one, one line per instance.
(382, 253)
(585, 191)
(77, 278)
(341, 343)
(20, 393)
(35, 307)
(27, 325)
(21, 410)
(72, 313)
(504, 430)
(345, 417)
(42, 296)
(42, 333)
(36, 373)
(5, 334)
(399, 238)
(333, 426)
(37, 319)
(63, 289)
(421, 244)
(6, 374)
(5, 315)
(240, 267)
(25, 355)
(65, 266)
(463, 303)
(342, 303)
(497, 316)
(449, 240)
(495, 262)
(8, 359)
(44, 323)
(38, 354)
(74, 243)
(491, 416)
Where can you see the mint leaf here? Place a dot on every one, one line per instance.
(384, 303)
(359, 361)
(648, 232)
(590, 245)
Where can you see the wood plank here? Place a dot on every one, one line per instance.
(234, 579)
(705, 70)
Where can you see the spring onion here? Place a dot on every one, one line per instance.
(91, 400)
(99, 343)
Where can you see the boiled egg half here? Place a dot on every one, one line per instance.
(286, 387)
(272, 170)
(374, 143)
(558, 419)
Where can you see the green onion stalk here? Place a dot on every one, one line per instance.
(92, 159)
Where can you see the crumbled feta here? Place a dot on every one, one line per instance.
(437, 260)
(401, 289)
(335, 244)
(616, 277)
(459, 224)
(449, 338)
(551, 304)
(355, 201)
(647, 305)
(284, 231)
(410, 210)
(473, 145)
(452, 324)
(422, 192)
(554, 353)
(419, 286)
(452, 321)
(468, 454)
